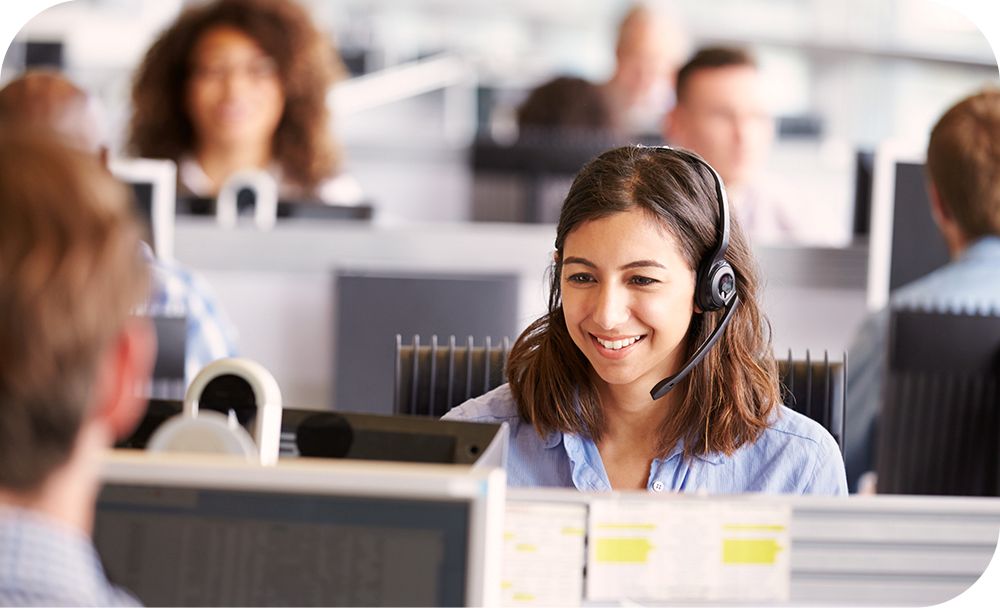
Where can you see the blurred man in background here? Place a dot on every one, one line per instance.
(722, 114)
(963, 167)
(649, 49)
(71, 357)
(630, 105)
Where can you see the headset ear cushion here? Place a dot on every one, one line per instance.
(717, 288)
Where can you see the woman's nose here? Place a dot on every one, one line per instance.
(612, 307)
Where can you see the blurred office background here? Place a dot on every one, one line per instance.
(428, 74)
(427, 77)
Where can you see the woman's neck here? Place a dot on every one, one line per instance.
(218, 162)
(632, 416)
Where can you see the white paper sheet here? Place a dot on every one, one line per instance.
(543, 555)
(688, 550)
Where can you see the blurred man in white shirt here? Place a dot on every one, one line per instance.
(722, 114)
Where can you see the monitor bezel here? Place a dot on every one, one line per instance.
(162, 175)
(483, 489)
(887, 156)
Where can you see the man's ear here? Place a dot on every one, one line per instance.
(946, 222)
(942, 215)
(124, 368)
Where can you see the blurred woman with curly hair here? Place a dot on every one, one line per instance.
(241, 84)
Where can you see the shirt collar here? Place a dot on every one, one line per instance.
(678, 451)
(554, 438)
(985, 248)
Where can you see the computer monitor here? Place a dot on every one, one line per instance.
(905, 243)
(184, 531)
(527, 181)
(864, 161)
(171, 356)
(312, 210)
(154, 185)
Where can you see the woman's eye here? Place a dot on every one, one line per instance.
(642, 281)
(580, 277)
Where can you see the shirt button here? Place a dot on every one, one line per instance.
(657, 486)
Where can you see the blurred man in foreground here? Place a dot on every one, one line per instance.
(71, 355)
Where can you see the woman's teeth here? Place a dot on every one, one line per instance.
(617, 344)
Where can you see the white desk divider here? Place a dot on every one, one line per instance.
(737, 550)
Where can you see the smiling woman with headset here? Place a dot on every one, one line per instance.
(652, 368)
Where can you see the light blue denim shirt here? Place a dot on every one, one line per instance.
(794, 455)
(971, 282)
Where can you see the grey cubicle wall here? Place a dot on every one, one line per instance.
(371, 307)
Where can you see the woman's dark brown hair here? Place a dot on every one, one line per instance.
(307, 66)
(729, 397)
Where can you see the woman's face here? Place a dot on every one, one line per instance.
(234, 94)
(628, 297)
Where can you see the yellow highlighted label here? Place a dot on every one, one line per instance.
(754, 527)
(623, 550)
(508, 535)
(737, 551)
(626, 526)
(573, 531)
(525, 548)
(506, 585)
(523, 597)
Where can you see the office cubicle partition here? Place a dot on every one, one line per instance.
(371, 307)
(563, 547)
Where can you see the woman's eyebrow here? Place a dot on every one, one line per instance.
(630, 265)
(583, 261)
(643, 264)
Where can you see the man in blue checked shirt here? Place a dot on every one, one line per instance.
(49, 100)
(71, 355)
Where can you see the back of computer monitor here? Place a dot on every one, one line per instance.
(905, 243)
(372, 307)
(396, 438)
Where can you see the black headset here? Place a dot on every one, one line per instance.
(715, 285)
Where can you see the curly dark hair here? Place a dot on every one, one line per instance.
(307, 66)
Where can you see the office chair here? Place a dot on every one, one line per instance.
(443, 376)
(816, 389)
(939, 429)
